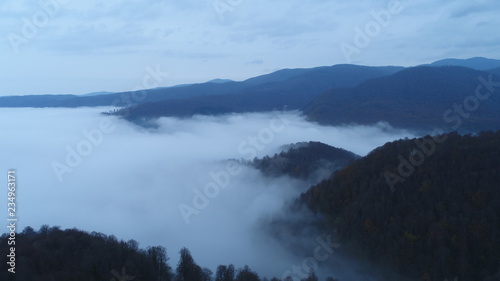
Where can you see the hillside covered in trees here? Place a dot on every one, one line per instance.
(308, 161)
(441, 219)
(55, 254)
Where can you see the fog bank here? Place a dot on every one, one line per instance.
(171, 186)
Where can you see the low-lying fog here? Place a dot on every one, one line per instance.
(78, 168)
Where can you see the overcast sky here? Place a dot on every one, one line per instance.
(75, 47)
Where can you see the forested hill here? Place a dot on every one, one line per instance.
(448, 97)
(55, 254)
(311, 161)
(71, 254)
(441, 221)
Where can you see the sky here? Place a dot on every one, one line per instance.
(100, 173)
(77, 47)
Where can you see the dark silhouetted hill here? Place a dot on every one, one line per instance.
(309, 161)
(442, 221)
(54, 254)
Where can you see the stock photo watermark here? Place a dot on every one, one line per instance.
(12, 219)
(222, 7)
(455, 116)
(31, 25)
(94, 137)
(220, 180)
(321, 253)
(121, 276)
(363, 36)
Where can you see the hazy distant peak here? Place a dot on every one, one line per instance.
(478, 63)
(96, 94)
(220, 81)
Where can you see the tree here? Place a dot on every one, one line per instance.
(312, 276)
(206, 274)
(246, 274)
(225, 273)
(187, 269)
(158, 257)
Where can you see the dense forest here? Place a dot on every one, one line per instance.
(53, 254)
(311, 162)
(440, 221)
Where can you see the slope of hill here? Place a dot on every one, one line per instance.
(441, 221)
(418, 98)
(312, 161)
(478, 63)
(54, 254)
(495, 70)
(278, 76)
(293, 93)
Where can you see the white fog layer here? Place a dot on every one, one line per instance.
(78, 168)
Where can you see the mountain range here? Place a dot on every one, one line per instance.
(447, 97)
(439, 95)
(290, 93)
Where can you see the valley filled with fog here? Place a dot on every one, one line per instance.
(79, 168)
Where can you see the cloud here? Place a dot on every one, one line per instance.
(190, 36)
(130, 181)
(255, 61)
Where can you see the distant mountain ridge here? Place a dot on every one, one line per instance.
(220, 81)
(478, 63)
(292, 93)
(439, 95)
(96, 94)
(424, 98)
(180, 92)
(278, 76)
